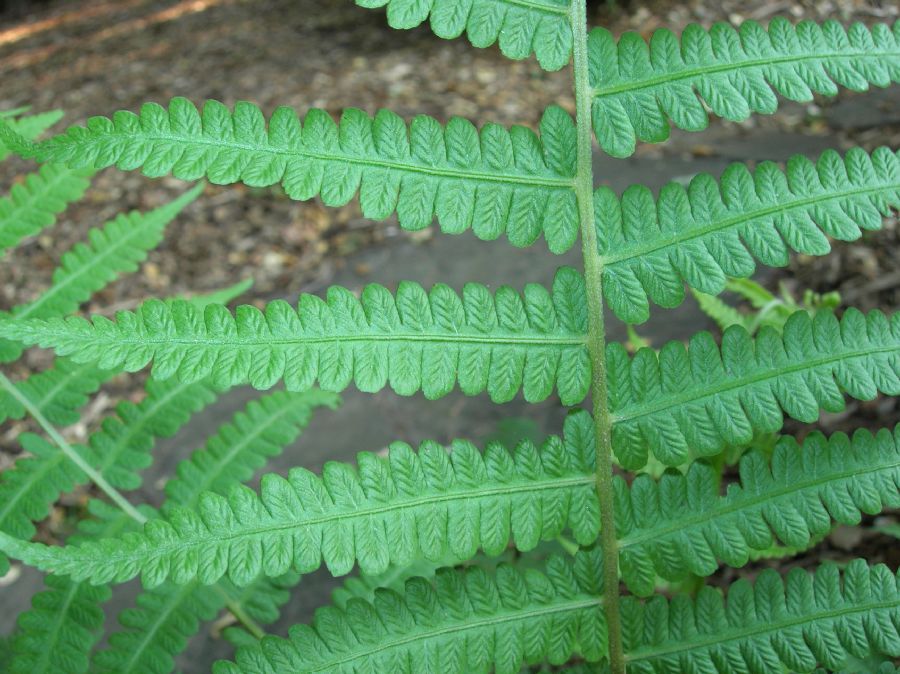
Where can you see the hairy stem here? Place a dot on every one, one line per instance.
(93, 475)
(593, 269)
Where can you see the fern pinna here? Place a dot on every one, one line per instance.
(630, 496)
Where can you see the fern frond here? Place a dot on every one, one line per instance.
(769, 625)
(494, 181)
(697, 401)
(541, 27)
(33, 204)
(115, 248)
(242, 447)
(680, 524)
(157, 627)
(411, 505)
(118, 451)
(702, 234)
(28, 127)
(461, 621)
(497, 343)
(640, 88)
(165, 618)
(58, 633)
(57, 392)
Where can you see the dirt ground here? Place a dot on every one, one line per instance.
(92, 57)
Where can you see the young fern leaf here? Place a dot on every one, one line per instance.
(770, 625)
(411, 505)
(703, 234)
(33, 204)
(494, 181)
(540, 27)
(680, 525)
(118, 247)
(57, 392)
(242, 447)
(166, 617)
(497, 343)
(461, 621)
(640, 88)
(690, 402)
(26, 128)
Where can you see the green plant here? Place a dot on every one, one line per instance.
(402, 516)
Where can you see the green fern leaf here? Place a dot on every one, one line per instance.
(680, 525)
(697, 401)
(158, 626)
(395, 510)
(242, 447)
(33, 204)
(640, 88)
(58, 633)
(118, 247)
(496, 343)
(461, 621)
(722, 313)
(769, 625)
(541, 27)
(165, 618)
(29, 127)
(703, 234)
(57, 392)
(118, 451)
(494, 181)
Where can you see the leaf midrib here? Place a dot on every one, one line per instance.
(464, 625)
(758, 630)
(741, 382)
(351, 338)
(692, 520)
(459, 174)
(698, 71)
(550, 8)
(683, 236)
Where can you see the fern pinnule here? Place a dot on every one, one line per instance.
(492, 181)
(702, 234)
(639, 88)
(459, 622)
(24, 128)
(417, 340)
(412, 504)
(115, 248)
(680, 525)
(690, 402)
(33, 204)
(759, 628)
(164, 618)
(243, 446)
(540, 27)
